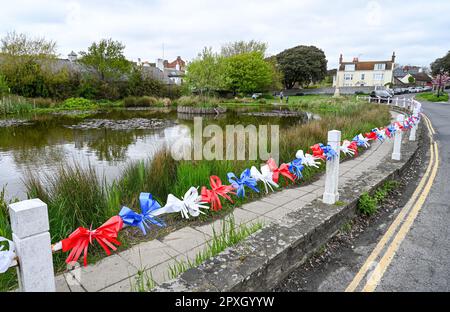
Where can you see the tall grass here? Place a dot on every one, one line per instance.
(14, 104)
(8, 280)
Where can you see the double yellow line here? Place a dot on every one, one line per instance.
(404, 220)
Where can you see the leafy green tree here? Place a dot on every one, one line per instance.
(140, 85)
(247, 72)
(411, 80)
(107, 58)
(4, 89)
(205, 73)
(302, 65)
(441, 65)
(241, 47)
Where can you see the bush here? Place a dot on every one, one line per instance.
(77, 103)
(367, 204)
(43, 103)
(197, 100)
(4, 89)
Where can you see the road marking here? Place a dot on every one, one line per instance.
(380, 269)
(393, 227)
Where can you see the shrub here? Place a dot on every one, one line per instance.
(43, 102)
(198, 100)
(367, 204)
(76, 103)
(4, 89)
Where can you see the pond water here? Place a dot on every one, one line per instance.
(48, 140)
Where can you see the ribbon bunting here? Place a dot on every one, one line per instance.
(6, 256)
(190, 204)
(217, 189)
(242, 182)
(265, 176)
(79, 241)
(276, 171)
(144, 219)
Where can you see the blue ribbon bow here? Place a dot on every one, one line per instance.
(379, 135)
(358, 141)
(392, 129)
(296, 168)
(328, 151)
(144, 219)
(245, 180)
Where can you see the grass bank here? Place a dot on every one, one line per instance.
(432, 97)
(76, 196)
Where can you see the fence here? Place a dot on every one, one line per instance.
(30, 225)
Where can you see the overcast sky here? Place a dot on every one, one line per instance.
(417, 30)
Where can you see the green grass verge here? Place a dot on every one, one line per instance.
(432, 97)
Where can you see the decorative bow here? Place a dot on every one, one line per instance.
(264, 176)
(317, 151)
(240, 184)
(345, 148)
(380, 133)
(371, 136)
(328, 151)
(361, 141)
(399, 126)
(217, 189)
(283, 170)
(307, 159)
(190, 204)
(6, 256)
(296, 168)
(391, 129)
(145, 218)
(106, 235)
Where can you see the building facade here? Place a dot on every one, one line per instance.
(364, 73)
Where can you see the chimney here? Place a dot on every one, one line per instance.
(340, 59)
(355, 60)
(393, 57)
(160, 64)
(72, 56)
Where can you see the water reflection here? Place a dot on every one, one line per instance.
(48, 142)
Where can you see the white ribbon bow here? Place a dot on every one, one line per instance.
(6, 256)
(265, 176)
(364, 140)
(344, 148)
(189, 205)
(308, 159)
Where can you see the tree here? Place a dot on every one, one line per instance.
(4, 89)
(247, 72)
(241, 47)
(303, 65)
(14, 44)
(441, 65)
(205, 73)
(107, 58)
(440, 82)
(411, 80)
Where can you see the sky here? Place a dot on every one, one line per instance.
(418, 31)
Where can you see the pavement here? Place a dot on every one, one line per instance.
(118, 272)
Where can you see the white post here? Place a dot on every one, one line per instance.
(30, 226)
(396, 101)
(389, 101)
(379, 100)
(331, 195)
(396, 153)
(370, 98)
(412, 134)
(404, 102)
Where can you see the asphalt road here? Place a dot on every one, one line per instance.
(422, 260)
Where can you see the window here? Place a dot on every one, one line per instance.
(350, 67)
(363, 76)
(378, 76)
(380, 66)
(348, 77)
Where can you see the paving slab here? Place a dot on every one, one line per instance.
(242, 216)
(276, 199)
(262, 206)
(185, 239)
(126, 285)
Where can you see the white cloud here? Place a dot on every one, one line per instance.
(417, 31)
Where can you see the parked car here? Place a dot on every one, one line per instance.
(428, 88)
(398, 91)
(390, 91)
(382, 95)
(412, 90)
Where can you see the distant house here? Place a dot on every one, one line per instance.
(364, 73)
(420, 79)
(402, 71)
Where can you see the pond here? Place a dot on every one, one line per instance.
(42, 142)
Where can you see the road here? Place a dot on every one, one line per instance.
(406, 249)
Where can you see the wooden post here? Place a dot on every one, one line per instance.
(396, 153)
(30, 232)
(331, 195)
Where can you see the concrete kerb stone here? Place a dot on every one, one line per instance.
(269, 255)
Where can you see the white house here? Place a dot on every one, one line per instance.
(364, 73)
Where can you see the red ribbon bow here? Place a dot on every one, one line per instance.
(387, 132)
(317, 151)
(217, 189)
(371, 136)
(399, 125)
(283, 170)
(354, 147)
(78, 242)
